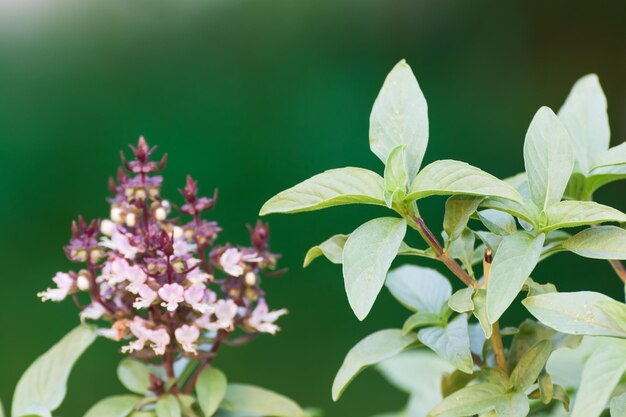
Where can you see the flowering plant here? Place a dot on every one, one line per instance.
(460, 362)
(160, 285)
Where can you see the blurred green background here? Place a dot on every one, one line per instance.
(253, 96)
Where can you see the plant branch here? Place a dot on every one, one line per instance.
(619, 269)
(217, 343)
(498, 348)
(418, 224)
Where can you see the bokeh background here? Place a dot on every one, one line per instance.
(252, 96)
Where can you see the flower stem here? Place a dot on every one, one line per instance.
(498, 348)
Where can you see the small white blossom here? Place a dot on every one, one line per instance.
(182, 247)
(82, 282)
(225, 313)
(172, 295)
(107, 227)
(115, 271)
(231, 261)
(65, 284)
(187, 336)
(160, 339)
(200, 299)
(121, 243)
(141, 332)
(136, 276)
(93, 312)
(263, 320)
(197, 277)
(146, 297)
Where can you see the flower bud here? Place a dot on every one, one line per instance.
(250, 279)
(160, 214)
(82, 282)
(107, 227)
(131, 219)
(116, 214)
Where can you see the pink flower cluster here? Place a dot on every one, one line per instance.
(158, 281)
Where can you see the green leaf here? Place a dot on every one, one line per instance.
(580, 213)
(134, 375)
(331, 248)
(513, 405)
(1, 409)
(614, 156)
(522, 210)
(449, 177)
(458, 211)
(43, 386)
(468, 401)
(514, 261)
(451, 343)
(419, 288)
(331, 188)
(618, 406)
(463, 250)
(406, 250)
(603, 242)
(584, 115)
(615, 310)
(211, 390)
(574, 313)
(116, 406)
(400, 117)
(480, 311)
(530, 365)
(396, 176)
(375, 348)
(600, 376)
(490, 239)
(548, 157)
(461, 301)
(168, 406)
(248, 400)
(401, 370)
(420, 319)
(367, 256)
(498, 222)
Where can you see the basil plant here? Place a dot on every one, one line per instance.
(451, 354)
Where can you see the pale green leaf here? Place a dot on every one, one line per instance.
(419, 288)
(43, 386)
(116, 406)
(375, 348)
(514, 261)
(603, 242)
(585, 117)
(580, 213)
(548, 157)
(530, 365)
(490, 239)
(618, 406)
(458, 211)
(401, 370)
(331, 188)
(134, 375)
(450, 343)
(420, 319)
(210, 390)
(1, 409)
(396, 176)
(331, 248)
(461, 300)
(498, 222)
(406, 250)
(449, 177)
(250, 401)
(574, 313)
(463, 250)
(367, 256)
(480, 311)
(168, 406)
(468, 401)
(523, 210)
(400, 117)
(512, 405)
(600, 376)
(614, 156)
(614, 310)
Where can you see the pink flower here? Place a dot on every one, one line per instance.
(65, 285)
(172, 295)
(187, 337)
(160, 339)
(141, 332)
(200, 299)
(182, 247)
(146, 297)
(231, 262)
(263, 320)
(225, 313)
(120, 243)
(115, 271)
(136, 277)
(197, 276)
(93, 312)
